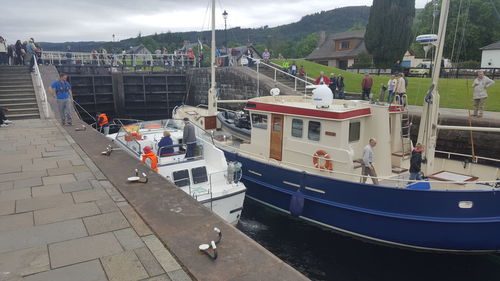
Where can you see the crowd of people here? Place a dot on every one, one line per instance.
(20, 53)
(335, 83)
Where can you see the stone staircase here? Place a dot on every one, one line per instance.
(283, 79)
(17, 93)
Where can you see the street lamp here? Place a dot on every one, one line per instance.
(224, 15)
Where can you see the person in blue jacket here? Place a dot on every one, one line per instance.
(163, 150)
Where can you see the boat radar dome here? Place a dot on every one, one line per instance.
(427, 39)
(322, 96)
(274, 92)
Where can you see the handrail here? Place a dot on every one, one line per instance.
(41, 88)
(467, 155)
(279, 70)
(118, 59)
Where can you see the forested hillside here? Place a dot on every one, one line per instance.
(281, 39)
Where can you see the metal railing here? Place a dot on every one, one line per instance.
(41, 88)
(297, 81)
(118, 60)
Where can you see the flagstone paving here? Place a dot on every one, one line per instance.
(60, 219)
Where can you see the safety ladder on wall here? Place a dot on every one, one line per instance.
(405, 133)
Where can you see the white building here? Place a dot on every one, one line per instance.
(491, 55)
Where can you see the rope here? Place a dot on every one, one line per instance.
(456, 30)
(461, 44)
(473, 150)
(495, 9)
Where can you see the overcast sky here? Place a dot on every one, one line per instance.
(97, 20)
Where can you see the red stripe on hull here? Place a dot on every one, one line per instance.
(283, 109)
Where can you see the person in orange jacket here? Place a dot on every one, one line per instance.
(103, 123)
(149, 158)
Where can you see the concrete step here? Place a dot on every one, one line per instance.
(24, 104)
(16, 94)
(29, 110)
(23, 116)
(15, 87)
(4, 96)
(17, 100)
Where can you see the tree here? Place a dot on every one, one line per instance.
(388, 32)
(472, 24)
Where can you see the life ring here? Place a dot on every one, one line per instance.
(324, 155)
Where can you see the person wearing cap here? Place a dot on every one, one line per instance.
(189, 138)
(149, 158)
(366, 85)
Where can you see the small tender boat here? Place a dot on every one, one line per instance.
(236, 123)
(207, 176)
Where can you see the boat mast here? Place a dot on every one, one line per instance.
(212, 100)
(428, 130)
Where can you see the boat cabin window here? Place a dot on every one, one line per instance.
(181, 178)
(354, 131)
(314, 130)
(199, 174)
(259, 121)
(297, 128)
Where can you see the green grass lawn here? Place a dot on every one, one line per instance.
(455, 93)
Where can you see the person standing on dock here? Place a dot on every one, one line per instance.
(367, 165)
(366, 86)
(480, 84)
(333, 85)
(391, 86)
(340, 86)
(400, 89)
(189, 138)
(322, 79)
(61, 90)
(4, 59)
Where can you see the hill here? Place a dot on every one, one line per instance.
(331, 21)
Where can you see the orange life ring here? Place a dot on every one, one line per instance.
(324, 155)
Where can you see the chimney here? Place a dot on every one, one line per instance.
(322, 38)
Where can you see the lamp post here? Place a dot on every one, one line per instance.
(224, 15)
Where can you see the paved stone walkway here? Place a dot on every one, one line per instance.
(60, 219)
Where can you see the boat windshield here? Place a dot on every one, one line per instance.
(137, 135)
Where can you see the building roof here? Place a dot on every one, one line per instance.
(138, 49)
(494, 46)
(327, 49)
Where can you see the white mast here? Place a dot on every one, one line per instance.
(427, 133)
(212, 100)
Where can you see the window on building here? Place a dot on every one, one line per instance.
(181, 178)
(344, 45)
(297, 128)
(354, 131)
(259, 121)
(314, 130)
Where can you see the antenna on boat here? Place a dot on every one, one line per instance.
(428, 130)
(212, 100)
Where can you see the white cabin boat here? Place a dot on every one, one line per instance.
(207, 176)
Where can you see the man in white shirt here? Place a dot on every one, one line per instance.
(480, 84)
(367, 165)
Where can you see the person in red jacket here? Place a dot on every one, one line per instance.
(322, 79)
(366, 85)
(149, 158)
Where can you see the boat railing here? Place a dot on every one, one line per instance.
(41, 89)
(396, 179)
(474, 158)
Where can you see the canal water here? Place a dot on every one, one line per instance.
(322, 254)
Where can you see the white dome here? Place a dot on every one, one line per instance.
(322, 96)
